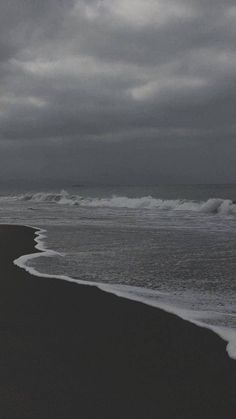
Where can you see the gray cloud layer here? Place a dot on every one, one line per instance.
(120, 91)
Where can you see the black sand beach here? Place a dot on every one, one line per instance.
(69, 351)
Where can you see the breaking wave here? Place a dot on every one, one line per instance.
(211, 206)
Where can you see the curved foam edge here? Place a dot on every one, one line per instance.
(142, 295)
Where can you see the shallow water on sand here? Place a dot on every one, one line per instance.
(167, 245)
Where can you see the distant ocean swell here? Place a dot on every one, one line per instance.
(211, 206)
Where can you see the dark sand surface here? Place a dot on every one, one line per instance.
(69, 351)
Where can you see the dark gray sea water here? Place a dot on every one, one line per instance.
(173, 246)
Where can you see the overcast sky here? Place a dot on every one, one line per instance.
(118, 91)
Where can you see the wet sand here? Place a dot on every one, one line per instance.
(74, 352)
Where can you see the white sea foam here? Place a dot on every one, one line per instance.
(211, 206)
(146, 296)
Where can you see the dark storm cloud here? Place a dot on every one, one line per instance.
(88, 81)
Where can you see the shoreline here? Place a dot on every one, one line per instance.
(70, 351)
(228, 335)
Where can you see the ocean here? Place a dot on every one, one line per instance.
(169, 246)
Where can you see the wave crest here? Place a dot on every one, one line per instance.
(211, 206)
